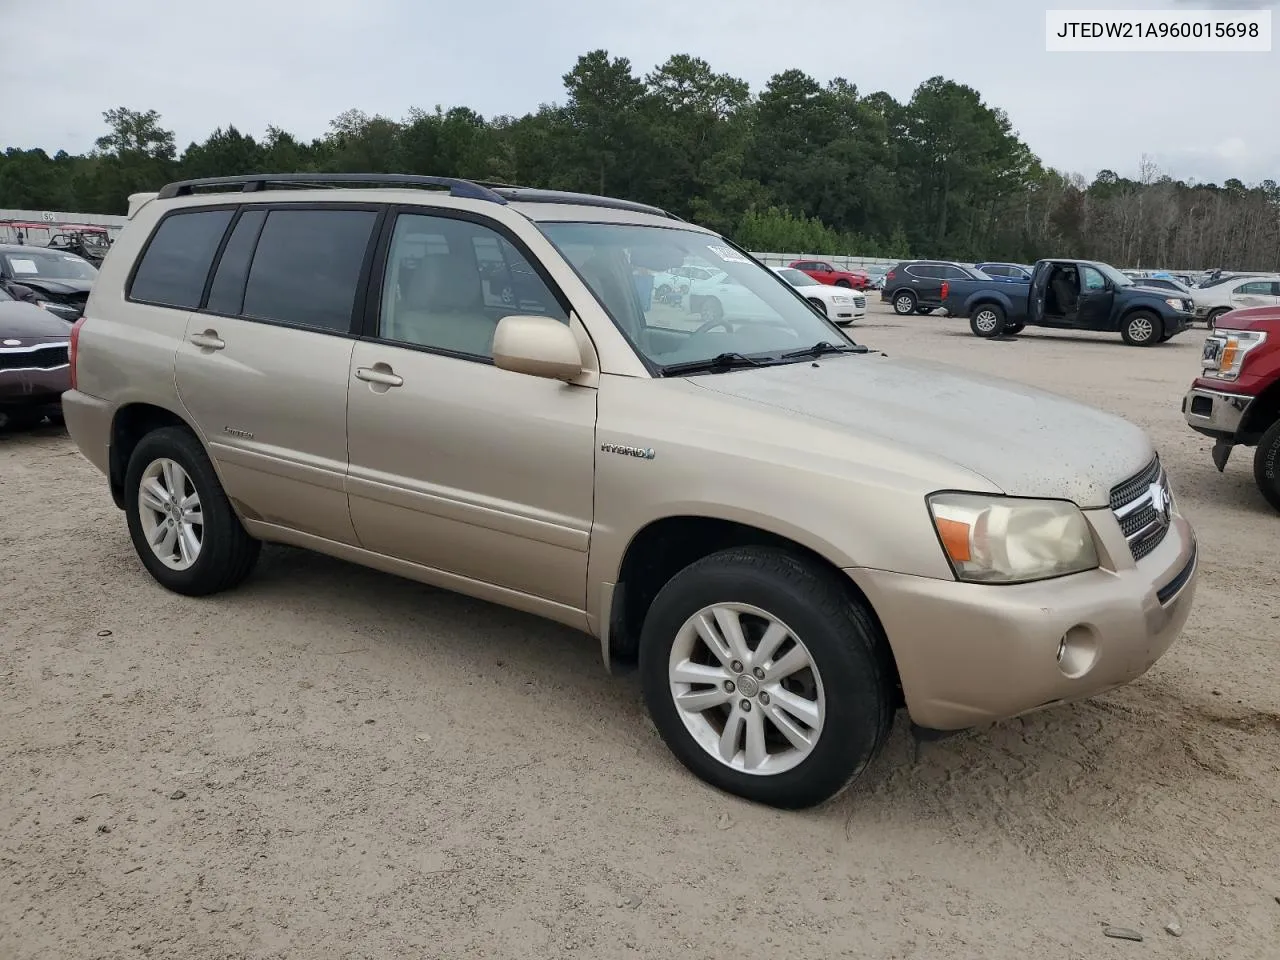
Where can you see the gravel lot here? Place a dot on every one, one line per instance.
(331, 762)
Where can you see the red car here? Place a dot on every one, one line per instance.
(1236, 398)
(824, 272)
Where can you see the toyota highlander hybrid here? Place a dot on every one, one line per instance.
(792, 535)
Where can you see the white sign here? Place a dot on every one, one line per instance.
(48, 217)
(23, 266)
(1157, 31)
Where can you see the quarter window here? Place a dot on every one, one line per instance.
(448, 282)
(306, 268)
(176, 263)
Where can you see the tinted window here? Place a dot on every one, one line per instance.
(227, 293)
(926, 271)
(176, 264)
(1256, 289)
(955, 273)
(448, 283)
(1093, 279)
(307, 267)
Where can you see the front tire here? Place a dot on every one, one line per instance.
(904, 303)
(180, 520)
(844, 283)
(1141, 329)
(1266, 465)
(987, 321)
(1211, 321)
(818, 305)
(765, 677)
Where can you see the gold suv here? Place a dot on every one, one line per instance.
(481, 387)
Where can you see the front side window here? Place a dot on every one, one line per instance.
(306, 267)
(176, 263)
(743, 308)
(448, 283)
(1093, 280)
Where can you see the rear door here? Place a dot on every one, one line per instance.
(263, 370)
(1255, 293)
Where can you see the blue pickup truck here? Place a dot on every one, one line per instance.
(1070, 295)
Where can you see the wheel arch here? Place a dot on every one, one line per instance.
(1262, 413)
(665, 546)
(129, 425)
(1154, 311)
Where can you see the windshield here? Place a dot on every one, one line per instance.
(48, 265)
(682, 297)
(1114, 275)
(797, 279)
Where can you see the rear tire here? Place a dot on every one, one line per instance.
(225, 554)
(1012, 329)
(904, 303)
(1142, 328)
(923, 310)
(843, 681)
(1266, 465)
(1211, 321)
(22, 419)
(987, 321)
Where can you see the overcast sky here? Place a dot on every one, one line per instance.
(299, 63)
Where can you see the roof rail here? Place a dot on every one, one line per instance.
(533, 195)
(252, 183)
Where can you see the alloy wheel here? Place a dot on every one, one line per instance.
(169, 508)
(747, 688)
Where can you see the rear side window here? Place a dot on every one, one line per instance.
(176, 263)
(306, 269)
(227, 293)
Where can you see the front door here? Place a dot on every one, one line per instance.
(1038, 291)
(1093, 309)
(263, 366)
(454, 464)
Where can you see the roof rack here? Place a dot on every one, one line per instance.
(534, 195)
(467, 189)
(252, 183)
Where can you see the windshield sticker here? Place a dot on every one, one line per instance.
(728, 254)
(24, 266)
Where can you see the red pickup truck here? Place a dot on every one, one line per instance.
(824, 272)
(1236, 398)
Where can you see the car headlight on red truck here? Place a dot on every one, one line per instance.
(992, 539)
(1225, 352)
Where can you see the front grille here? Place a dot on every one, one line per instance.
(859, 301)
(42, 358)
(1141, 505)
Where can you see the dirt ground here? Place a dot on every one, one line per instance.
(330, 762)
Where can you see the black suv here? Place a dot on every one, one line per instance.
(915, 286)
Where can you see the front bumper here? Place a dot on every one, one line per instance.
(969, 654)
(1215, 413)
(33, 387)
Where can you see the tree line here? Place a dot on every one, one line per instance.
(800, 166)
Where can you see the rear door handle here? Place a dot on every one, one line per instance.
(209, 340)
(384, 377)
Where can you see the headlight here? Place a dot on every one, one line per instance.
(1176, 303)
(1225, 352)
(992, 539)
(840, 299)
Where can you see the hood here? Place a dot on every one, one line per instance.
(26, 321)
(49, 285)
(1026, 442)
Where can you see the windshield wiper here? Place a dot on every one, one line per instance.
(717, 364)
(823, 347)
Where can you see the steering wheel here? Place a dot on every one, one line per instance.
(711, 325)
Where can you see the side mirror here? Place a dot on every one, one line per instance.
(538, 346)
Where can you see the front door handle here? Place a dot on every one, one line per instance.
(209, 340)
(383, 376)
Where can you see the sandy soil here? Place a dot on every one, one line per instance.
(330, 762)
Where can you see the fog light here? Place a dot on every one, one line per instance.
(1077, 651)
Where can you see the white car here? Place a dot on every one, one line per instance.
(838, 304)
(1235, 294)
